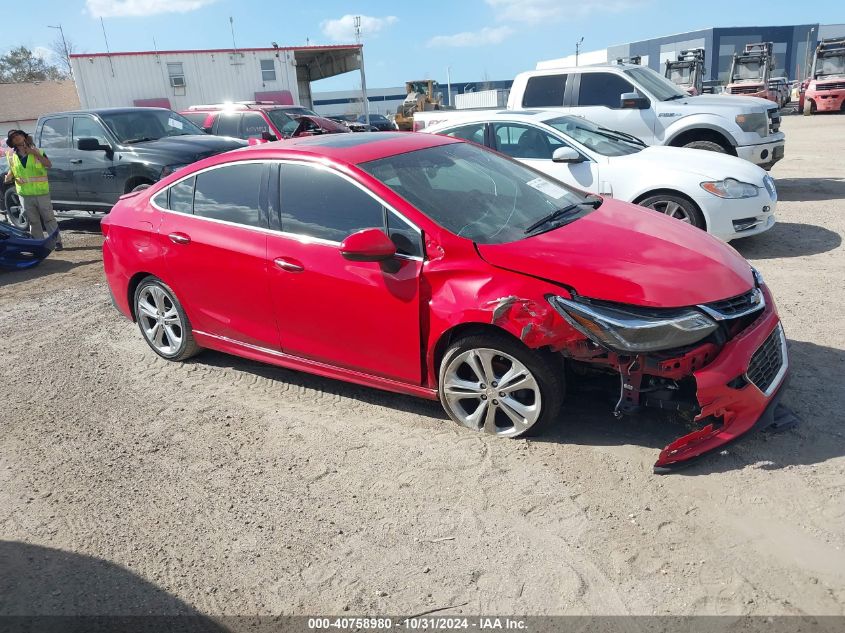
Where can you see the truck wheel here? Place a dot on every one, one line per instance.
(809, 107)
(675, 207)
(141, 187)
(710, 146)
(14, 209)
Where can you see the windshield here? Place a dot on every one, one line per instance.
(834, 65)
(660, 88)
(134, 126)
(600, 140)
(300, 110)
(373, 117)
(476, 193)
(281, 120)
(681, 76)
(747, 70)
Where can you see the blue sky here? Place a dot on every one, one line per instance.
(477, 39)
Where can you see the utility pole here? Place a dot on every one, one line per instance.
(578, 49)
(808, 72)
(364, 102)
(64, 45)
(449, 84)
(232, 27)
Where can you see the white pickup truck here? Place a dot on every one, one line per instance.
(638, 101)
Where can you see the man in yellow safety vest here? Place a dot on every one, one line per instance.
(28, 168)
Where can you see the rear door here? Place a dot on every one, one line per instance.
(597, 97)
(213, 233)
(54, 140)
(228, 124)
(363, 316)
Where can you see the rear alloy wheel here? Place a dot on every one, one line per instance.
(675, 207)
(809, 107)
(163, 322)
(14, 209)
(498, 386)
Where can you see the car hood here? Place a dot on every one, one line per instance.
(627, 254)
(711, 165)
(185, 149)
(721, 104)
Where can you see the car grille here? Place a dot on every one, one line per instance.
(745, 91)
(736, 307)
(834, 86)
(774, 120)
(767, 362)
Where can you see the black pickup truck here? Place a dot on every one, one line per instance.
(99, 155)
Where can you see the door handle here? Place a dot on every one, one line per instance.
(286, 264)
(75, 161)
(179, 238)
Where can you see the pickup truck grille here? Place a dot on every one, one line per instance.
(767, 362)
(774, 120)
(835, 86)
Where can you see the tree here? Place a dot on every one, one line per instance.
(20, 65)
(63, 49)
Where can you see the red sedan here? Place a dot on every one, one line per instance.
(434, 267)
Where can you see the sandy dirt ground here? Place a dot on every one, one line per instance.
(221, 486)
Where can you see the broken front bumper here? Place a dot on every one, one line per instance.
(19, 250)
(740, 387)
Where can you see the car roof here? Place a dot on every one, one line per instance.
(346, 148)
(535, 116)
(104, 111)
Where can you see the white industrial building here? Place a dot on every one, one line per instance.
(179, 79)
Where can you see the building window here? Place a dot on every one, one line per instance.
(268, 70)
(176, 74)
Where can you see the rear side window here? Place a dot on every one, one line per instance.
(230, 193)
(473, 132)
(228, 125)
(179, 197)
(321, 204)
(543, 91)
(602, 89)
(197, 118)
(54, 134)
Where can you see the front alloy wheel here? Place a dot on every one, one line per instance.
(497, 386)
(675, 207)
(163, 322)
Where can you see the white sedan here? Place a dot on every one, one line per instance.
(724, 195)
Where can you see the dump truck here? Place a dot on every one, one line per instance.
(751, 71)
(687, 72)
(826, 88)
(421, 96)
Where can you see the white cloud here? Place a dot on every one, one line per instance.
(42, 52)
(538, 11)
(487, 35)
(137, 8)
(343, 29)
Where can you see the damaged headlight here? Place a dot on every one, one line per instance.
(634, 330)
(730, 188)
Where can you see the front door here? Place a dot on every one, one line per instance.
(213, 234)
(94, 173)
(363, 316)
(535, 147)
(54, 141)
(598, 101)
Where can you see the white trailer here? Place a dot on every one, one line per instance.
(483, 99)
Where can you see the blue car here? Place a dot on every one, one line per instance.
(18, 249)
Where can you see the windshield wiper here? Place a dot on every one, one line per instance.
(621, 136)
(559, 213)
(139, 140)
(673, 97)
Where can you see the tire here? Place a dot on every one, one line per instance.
(710, 146)
(520, 412)
(811, 110)
(675, 207)
(163, 322)
(140, 187)
(14, 210)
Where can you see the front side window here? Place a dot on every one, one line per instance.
(318, 203)
(228, 125)
(268, 70)
(253, 125)
(54, 134)
(602, 89)
(599, 139)
(544, 91)
(138, 126)
(406, 238)
(473, 132)
(478, 194)
(281, 120)
(230, 194)
(524, 141)
(657, 85)
(86, 127)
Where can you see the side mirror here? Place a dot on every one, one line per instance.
(567, 155)
(633, 101)
(368, 245)
(267, 136)
(91, 145)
